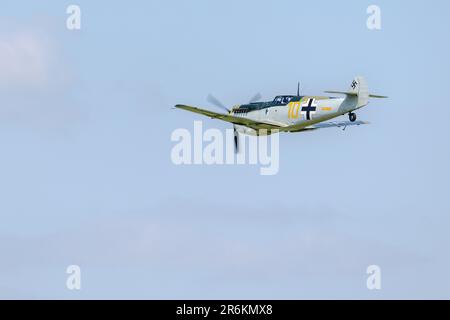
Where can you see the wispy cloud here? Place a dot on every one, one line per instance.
(36, 80)
(24, 59)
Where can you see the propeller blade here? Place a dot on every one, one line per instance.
(213, 100)
(256, 97)
(236, 140)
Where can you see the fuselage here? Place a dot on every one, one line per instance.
(298, 112)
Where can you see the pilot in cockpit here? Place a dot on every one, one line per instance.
(282, 100)
(286, 99)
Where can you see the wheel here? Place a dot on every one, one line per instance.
(352, 116)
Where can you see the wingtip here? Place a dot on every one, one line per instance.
(180, 106)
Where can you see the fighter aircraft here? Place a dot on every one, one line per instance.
(293, 113)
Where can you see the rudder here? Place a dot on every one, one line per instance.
(360, 88)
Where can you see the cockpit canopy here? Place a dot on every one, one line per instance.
(282, 100)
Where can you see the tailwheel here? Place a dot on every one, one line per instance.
(352, 117)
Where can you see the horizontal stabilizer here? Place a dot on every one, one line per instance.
(377, 96)
(355, 94)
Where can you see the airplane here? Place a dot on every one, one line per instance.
(292, 113)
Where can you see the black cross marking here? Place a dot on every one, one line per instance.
(354, 84)
(309, 108)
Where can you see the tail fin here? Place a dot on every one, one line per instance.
(359, 86)
(359, 89)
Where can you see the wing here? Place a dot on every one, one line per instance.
(321, 125)
(336, 124)
(232, 119)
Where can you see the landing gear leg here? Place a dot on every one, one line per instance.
(352, 117)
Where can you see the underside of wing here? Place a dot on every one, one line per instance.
(335, 124)
(322, 125)
(232, 119)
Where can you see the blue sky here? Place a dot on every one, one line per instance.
(85, 124)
